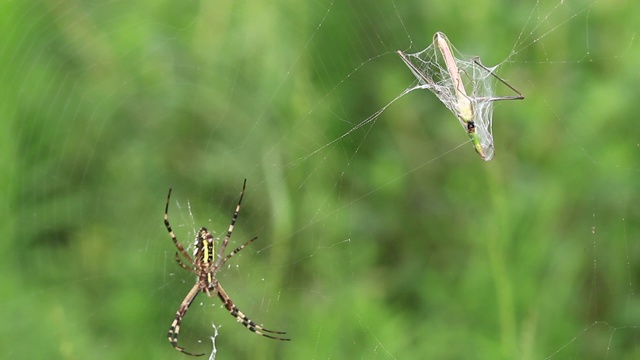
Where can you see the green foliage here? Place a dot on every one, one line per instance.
(390, 243)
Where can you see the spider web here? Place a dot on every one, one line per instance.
(381, 236)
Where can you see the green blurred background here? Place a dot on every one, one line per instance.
(394, 242)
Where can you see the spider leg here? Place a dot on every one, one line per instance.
(171, 233)
(237, 250)
(185, 266)
(242, 318)
(174, 329)
(192, 268)
(233, 223)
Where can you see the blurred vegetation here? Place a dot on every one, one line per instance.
(386, 244)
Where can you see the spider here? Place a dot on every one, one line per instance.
(205, 267)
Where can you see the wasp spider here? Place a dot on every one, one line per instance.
(205, 264)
